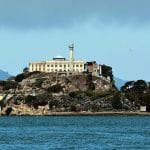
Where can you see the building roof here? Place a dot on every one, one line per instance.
(59, 58)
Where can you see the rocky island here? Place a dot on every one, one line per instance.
(40, 93)
(61, 86)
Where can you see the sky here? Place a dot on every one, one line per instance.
(112, 32)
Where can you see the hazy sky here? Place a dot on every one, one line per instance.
(112, 32)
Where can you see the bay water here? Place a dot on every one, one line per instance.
(74, 132)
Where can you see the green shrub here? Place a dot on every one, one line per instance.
(54, 102)
(39, 100)
(30, 100)
(116, 101)
(55, 88)
(8, 85)
(25, 75)
(8, 111)
(39, 83)
(97, 94)
(73, 108)
(19, 77)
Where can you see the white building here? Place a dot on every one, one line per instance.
(59, 64)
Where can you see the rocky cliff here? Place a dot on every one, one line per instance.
(42, 93)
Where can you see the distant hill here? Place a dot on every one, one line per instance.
(119, 82)
(4, 75)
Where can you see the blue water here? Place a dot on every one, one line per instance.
(73, 133)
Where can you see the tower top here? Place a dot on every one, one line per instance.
(71, 46)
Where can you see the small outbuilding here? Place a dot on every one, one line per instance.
(142, 108)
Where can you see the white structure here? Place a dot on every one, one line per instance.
(143, 108)
(59, 64)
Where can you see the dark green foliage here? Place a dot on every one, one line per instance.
(39, 100)
(18, 100)
(30, 100)
(73, 94)
(77, 94)
(128, 85)
(2, 83)
(39, 83)
(97, 94)
(55, 88)
(73, 108)
(25, 70)
(19, 77)
(8, 85)
(140, 85)
(25, 75)
(95, 108)
(8, 111)
(54, 103)
(145, 100)
(107, 71)
(91, 86)
(116, 101)
(137, 91)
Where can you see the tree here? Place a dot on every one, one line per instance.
(25, 70)
(140, 85)
(55, 88)
(128, 86)
(19, 77)
(116, 102)
(107, 72)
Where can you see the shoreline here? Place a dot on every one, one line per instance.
(98, 114)
(121, 113)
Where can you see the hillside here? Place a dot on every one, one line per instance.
(56, 93)
(44, 93)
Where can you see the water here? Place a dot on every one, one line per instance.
(73, 133)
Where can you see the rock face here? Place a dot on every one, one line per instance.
(43, 93)
(65, 84)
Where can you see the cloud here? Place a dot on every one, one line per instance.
(62, 13)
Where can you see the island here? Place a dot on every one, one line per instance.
(71, 87)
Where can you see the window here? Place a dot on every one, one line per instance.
(64, 65)
(55, 65)
(60, 65)
(77, 65)
(47, 65)
(81, 65)
(51, 65)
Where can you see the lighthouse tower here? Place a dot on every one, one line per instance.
(71, 49)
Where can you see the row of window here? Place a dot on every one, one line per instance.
(52, 70)
(58, 65)
(64, 66)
